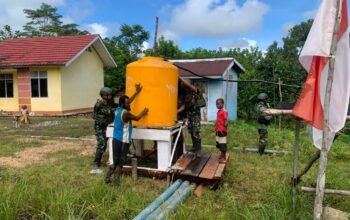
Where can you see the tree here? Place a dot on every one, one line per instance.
(296, 37)
(166, 49)
(292, 46)
(125, 48)
(7, 33)
(130, 40)
(115, 77)
(283, 63)
(199, 53)
(45, 21)
(249, 58)
(71, 29)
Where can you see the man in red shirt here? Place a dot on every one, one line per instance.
(221, 129)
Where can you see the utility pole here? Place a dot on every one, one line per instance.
(155, 46)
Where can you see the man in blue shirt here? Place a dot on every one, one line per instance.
(121, 137)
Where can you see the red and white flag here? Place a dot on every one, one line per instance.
(315, 59)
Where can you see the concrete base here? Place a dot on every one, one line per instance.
(334, 214)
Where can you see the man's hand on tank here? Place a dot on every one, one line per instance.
(145, 111)
(138, 87)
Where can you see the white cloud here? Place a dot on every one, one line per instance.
(310, 14)
(96, 28)
(145, 45)
(113, 29)
(239, 43)
(12, 14)
(79, 10)
(11, 11)
(286, 27)
(103, 29)
(207, 18)
(170, 35)
(67, 20)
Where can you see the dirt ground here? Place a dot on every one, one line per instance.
(39, 155)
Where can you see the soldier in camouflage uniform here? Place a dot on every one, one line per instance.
(103, 115)
(194, 101)
(263, 121)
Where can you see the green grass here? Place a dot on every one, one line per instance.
(55, 127)
(63, 190)
(10, 145)
(253, 187)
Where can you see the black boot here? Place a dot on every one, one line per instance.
(261, 149)
(116, 177)
(196, 143)
(98, 158)
(109, 175)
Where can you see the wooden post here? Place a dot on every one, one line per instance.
(134, 168)
(321, 178)
(312, 160)
(139, 145)
(280, 93)
(168, 177)
(295, 166)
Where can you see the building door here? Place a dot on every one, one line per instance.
(203, 87)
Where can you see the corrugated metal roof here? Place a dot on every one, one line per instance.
(215, 67)
(50, 51)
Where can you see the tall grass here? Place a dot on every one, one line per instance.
(253, 186)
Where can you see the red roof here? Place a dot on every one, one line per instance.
(215, 67)
(42, 50)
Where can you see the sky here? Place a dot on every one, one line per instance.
(190, 24)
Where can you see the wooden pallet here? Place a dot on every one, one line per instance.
(207, 167)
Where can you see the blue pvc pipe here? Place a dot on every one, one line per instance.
(157, 202)
(175, 202)
(170, 205)
(163, 206)
(160, 209)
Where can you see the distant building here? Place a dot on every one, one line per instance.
(210, 77)
(52, 75)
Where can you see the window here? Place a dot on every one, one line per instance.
(6, 85)
(38, 82)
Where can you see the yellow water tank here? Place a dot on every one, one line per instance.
(159, 81)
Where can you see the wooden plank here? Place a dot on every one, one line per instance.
(271, 111)
(327, 191)
(196, 166)
(199, 190)
(182, 162)
(210, 168)
(219, 171)
(226, 159)
(145, 171)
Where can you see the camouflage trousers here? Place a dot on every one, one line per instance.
(100, 132)
(262, 140)
(194, 127)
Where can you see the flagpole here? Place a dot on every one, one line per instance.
(321, 178)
